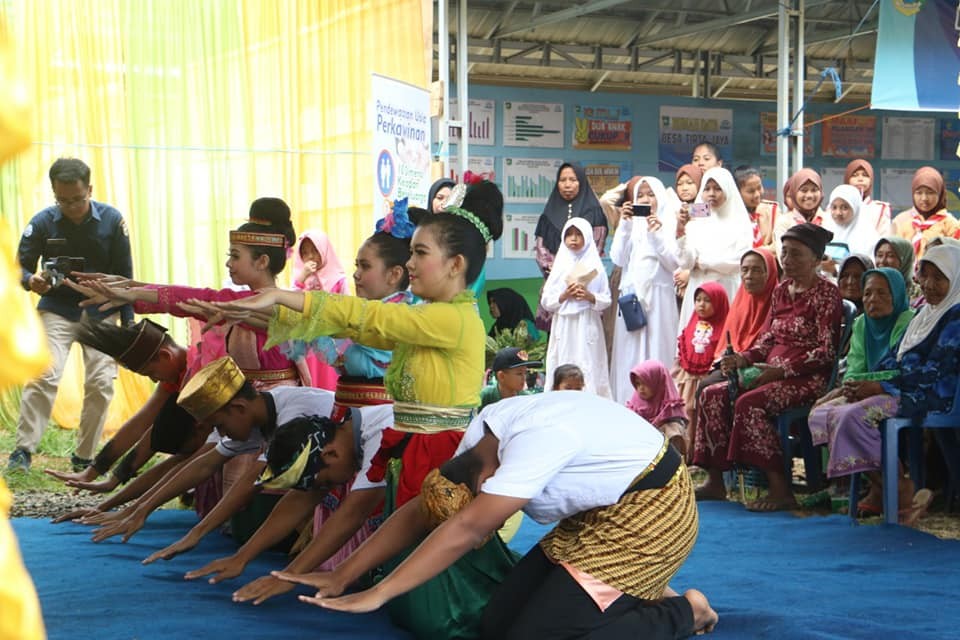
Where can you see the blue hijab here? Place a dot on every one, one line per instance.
(877, 330)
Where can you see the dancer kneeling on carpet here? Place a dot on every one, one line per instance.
(309, 455)
(220, 395)
(603, 571)
(144, 348)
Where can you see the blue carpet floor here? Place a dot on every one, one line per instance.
(768, 576)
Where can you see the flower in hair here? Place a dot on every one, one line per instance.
(397, 223)
(471, 178)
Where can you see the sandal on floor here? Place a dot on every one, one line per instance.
(918, 508)
(768, 506)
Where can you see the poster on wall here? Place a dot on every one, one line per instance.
(831, 178)
(482, 120)
(768, 136)
(949, 139)
(907, 139)
(482, 166)
(896, 187)
(603, 177)
(951, 180)
(529, 180)
(849, 137)
(683, 128)
(401, 143)
(517, 241)
(533, 124)
(600, 127)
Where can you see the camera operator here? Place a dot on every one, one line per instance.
(76, 231)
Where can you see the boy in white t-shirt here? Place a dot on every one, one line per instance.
(626, 517)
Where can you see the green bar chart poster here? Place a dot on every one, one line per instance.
(529, 180)
(517, 240)
(533, 124)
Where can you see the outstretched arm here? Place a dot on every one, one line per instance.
(345, 522)
(455, 537)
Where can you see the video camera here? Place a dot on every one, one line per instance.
(56, 268)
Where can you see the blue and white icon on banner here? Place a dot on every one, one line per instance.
(386, 173)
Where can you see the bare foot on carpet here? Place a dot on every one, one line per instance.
(704, 617)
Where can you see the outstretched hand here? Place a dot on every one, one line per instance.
(126, 527)
(369, 600)
(261, 589)
(182, 545)
(224, 568)
(103, 486)
(97, 293)
(216, 316)
(262, 301)
(327, 584)
(119, 282)
(75, 515)
(87, 475)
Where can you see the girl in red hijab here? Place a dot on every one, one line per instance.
(656, 400)
(928, 218)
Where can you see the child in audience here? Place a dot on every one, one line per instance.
(859, 174)
(575, 293)
(510, 372)
(567, 377)
(928, 218)
(657, 401)
(706, 155)
(803, 195)
(687, 185)
(848, 224)
(316, 267)
(697, 344)
(763, 213)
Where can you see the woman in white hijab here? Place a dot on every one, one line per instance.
(575, 293)
(846, 223)
(711, 245)
(646, 249)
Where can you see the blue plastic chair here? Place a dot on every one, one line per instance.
(891, 433)
(798, 415)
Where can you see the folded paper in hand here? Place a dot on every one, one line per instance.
(580, 275)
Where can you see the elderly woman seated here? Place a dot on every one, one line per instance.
(789, 365)
(848, 418)
(850, 276)
(926, 366)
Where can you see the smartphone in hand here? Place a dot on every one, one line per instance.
(641, 210)
(699, 210)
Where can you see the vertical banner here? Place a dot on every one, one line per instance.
(529, 180)
(683, 128)
(604, 128)
(533, 124)
(917, 60)
(481, 121)
(849, 137)
(401, 143)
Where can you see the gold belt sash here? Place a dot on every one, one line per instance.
(271, 375)
(413, 417)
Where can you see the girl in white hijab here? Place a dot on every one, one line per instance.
(576, 292)
(711, 246)
(646, 249)
(846, 223)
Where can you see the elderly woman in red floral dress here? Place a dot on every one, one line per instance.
(789, 365)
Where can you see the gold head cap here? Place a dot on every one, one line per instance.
(211, 388)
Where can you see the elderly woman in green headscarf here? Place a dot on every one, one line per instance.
(897, 253)
(847, 419)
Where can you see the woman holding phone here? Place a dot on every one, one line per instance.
(645, 247)
(711, 243)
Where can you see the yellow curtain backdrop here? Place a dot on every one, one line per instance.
(186, 111)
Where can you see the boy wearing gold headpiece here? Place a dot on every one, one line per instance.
(219, 395)
(310, 455)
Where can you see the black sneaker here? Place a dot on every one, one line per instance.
(19, 460)
(79, 464)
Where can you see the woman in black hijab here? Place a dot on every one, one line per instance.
(572, 197)
(509, 309)
(439, 191)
